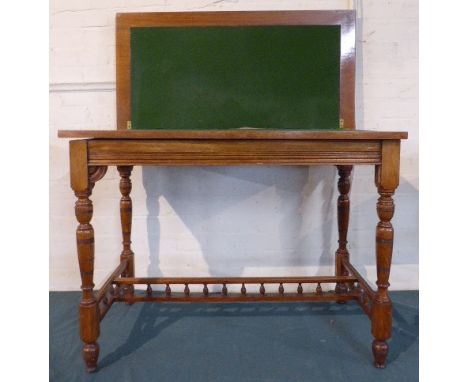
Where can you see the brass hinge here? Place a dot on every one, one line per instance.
(129, 125)
(341, 123)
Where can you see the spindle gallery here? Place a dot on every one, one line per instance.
(204, 132)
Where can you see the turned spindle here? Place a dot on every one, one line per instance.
(149, 290)
(299, 288)
(243, 290)
(168, 290)
(318, 290)
(224, 290)
(281, 288)
(186, 290)
(262, 289)
(205, 290)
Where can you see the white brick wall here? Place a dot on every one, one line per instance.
(231, 221)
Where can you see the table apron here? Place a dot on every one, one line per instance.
(187, 152)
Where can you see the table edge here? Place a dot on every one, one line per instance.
(253, 134)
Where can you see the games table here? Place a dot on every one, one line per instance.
(234, 89)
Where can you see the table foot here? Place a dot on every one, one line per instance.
(380, 351)
(90, 356)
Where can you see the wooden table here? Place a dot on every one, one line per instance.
(91, 152)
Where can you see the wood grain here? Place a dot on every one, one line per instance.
(79, 180)
(230, 152)
(247, 134)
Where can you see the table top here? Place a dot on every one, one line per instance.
(242, 133)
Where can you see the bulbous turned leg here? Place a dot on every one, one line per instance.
(381, 313)
(89, 314)
(387, 177)
(82, 182)
(126, 223)
(344, 186)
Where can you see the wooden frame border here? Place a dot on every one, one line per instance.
(345, 18)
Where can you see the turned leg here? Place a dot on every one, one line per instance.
(344, 185)
(89, 315)
(386, 179)
(82, 182)
(382, 305)
(126, 222)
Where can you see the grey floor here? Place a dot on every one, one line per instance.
(234, 342)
